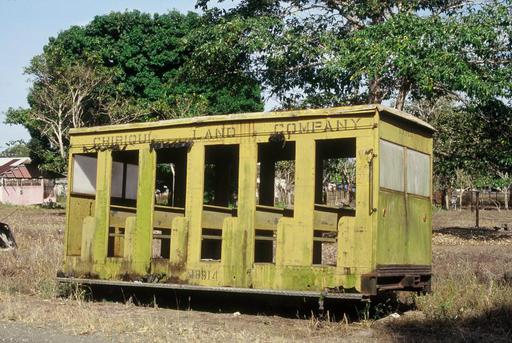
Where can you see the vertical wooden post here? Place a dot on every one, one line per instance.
(240, 252)
(102, 207)
(477, 209)
(298, 239)
(194, 201)
(143, 228)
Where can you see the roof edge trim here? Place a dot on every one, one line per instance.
(345, 110)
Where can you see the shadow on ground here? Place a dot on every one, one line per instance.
(252, 304)
(482, 234)
(492, 326)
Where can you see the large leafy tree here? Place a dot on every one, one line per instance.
(326, 52)
(448, 61)
(128, 66)
(149, 57)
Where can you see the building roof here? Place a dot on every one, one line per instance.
(347, 110)
(18, 168)
(7, 163)
(22, 168)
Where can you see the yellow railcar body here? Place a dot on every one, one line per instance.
(382, 242)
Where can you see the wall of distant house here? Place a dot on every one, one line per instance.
(22, 192)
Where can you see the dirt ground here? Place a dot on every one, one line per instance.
(471, 299)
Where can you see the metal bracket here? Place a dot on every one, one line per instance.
(370, 156)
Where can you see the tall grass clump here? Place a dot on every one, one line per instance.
(464, 298)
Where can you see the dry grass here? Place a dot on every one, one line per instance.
(460, 309)
(127, 322)
(470, 301)
(31, 269)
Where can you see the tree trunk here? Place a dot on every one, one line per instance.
(375, 95)
(447, 198)
(509, 196)
(61, 145)
(348, 199)
(402, 95)
(506, 191)
(443, 199)
(460, 199)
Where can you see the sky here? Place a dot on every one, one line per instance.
(26, 26)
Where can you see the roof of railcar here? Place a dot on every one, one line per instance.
(214, 119)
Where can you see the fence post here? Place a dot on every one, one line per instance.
(477, 209)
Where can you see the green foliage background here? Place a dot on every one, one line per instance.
(447, 61)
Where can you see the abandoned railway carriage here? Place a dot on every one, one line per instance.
(191, 203)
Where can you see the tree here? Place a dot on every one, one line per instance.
(17, 148)
(42, 153)
(326, 52)
(473, 141)
(59, 97)
(285, 183)
(463, 182)
(504, 183)
(125, 67)
(150, 59)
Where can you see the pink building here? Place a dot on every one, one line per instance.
(23, 184)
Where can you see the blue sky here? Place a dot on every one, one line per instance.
(25, 27)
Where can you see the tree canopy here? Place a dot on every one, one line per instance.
(448, 61)
(124, 67)
(327, 52)
(148, 58)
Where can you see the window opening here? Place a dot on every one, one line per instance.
(265, 246)
(391, 168)
(123, 197)
(171, 177)
(325, 248)
(170, 189)
(161, 246)
(335, 194)
(335, 175)
(211, 244)
(124, 182)
(115, 242)
(84, 173)
(221, 175)
(276, 174)
(418, 173)
(82, 198)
